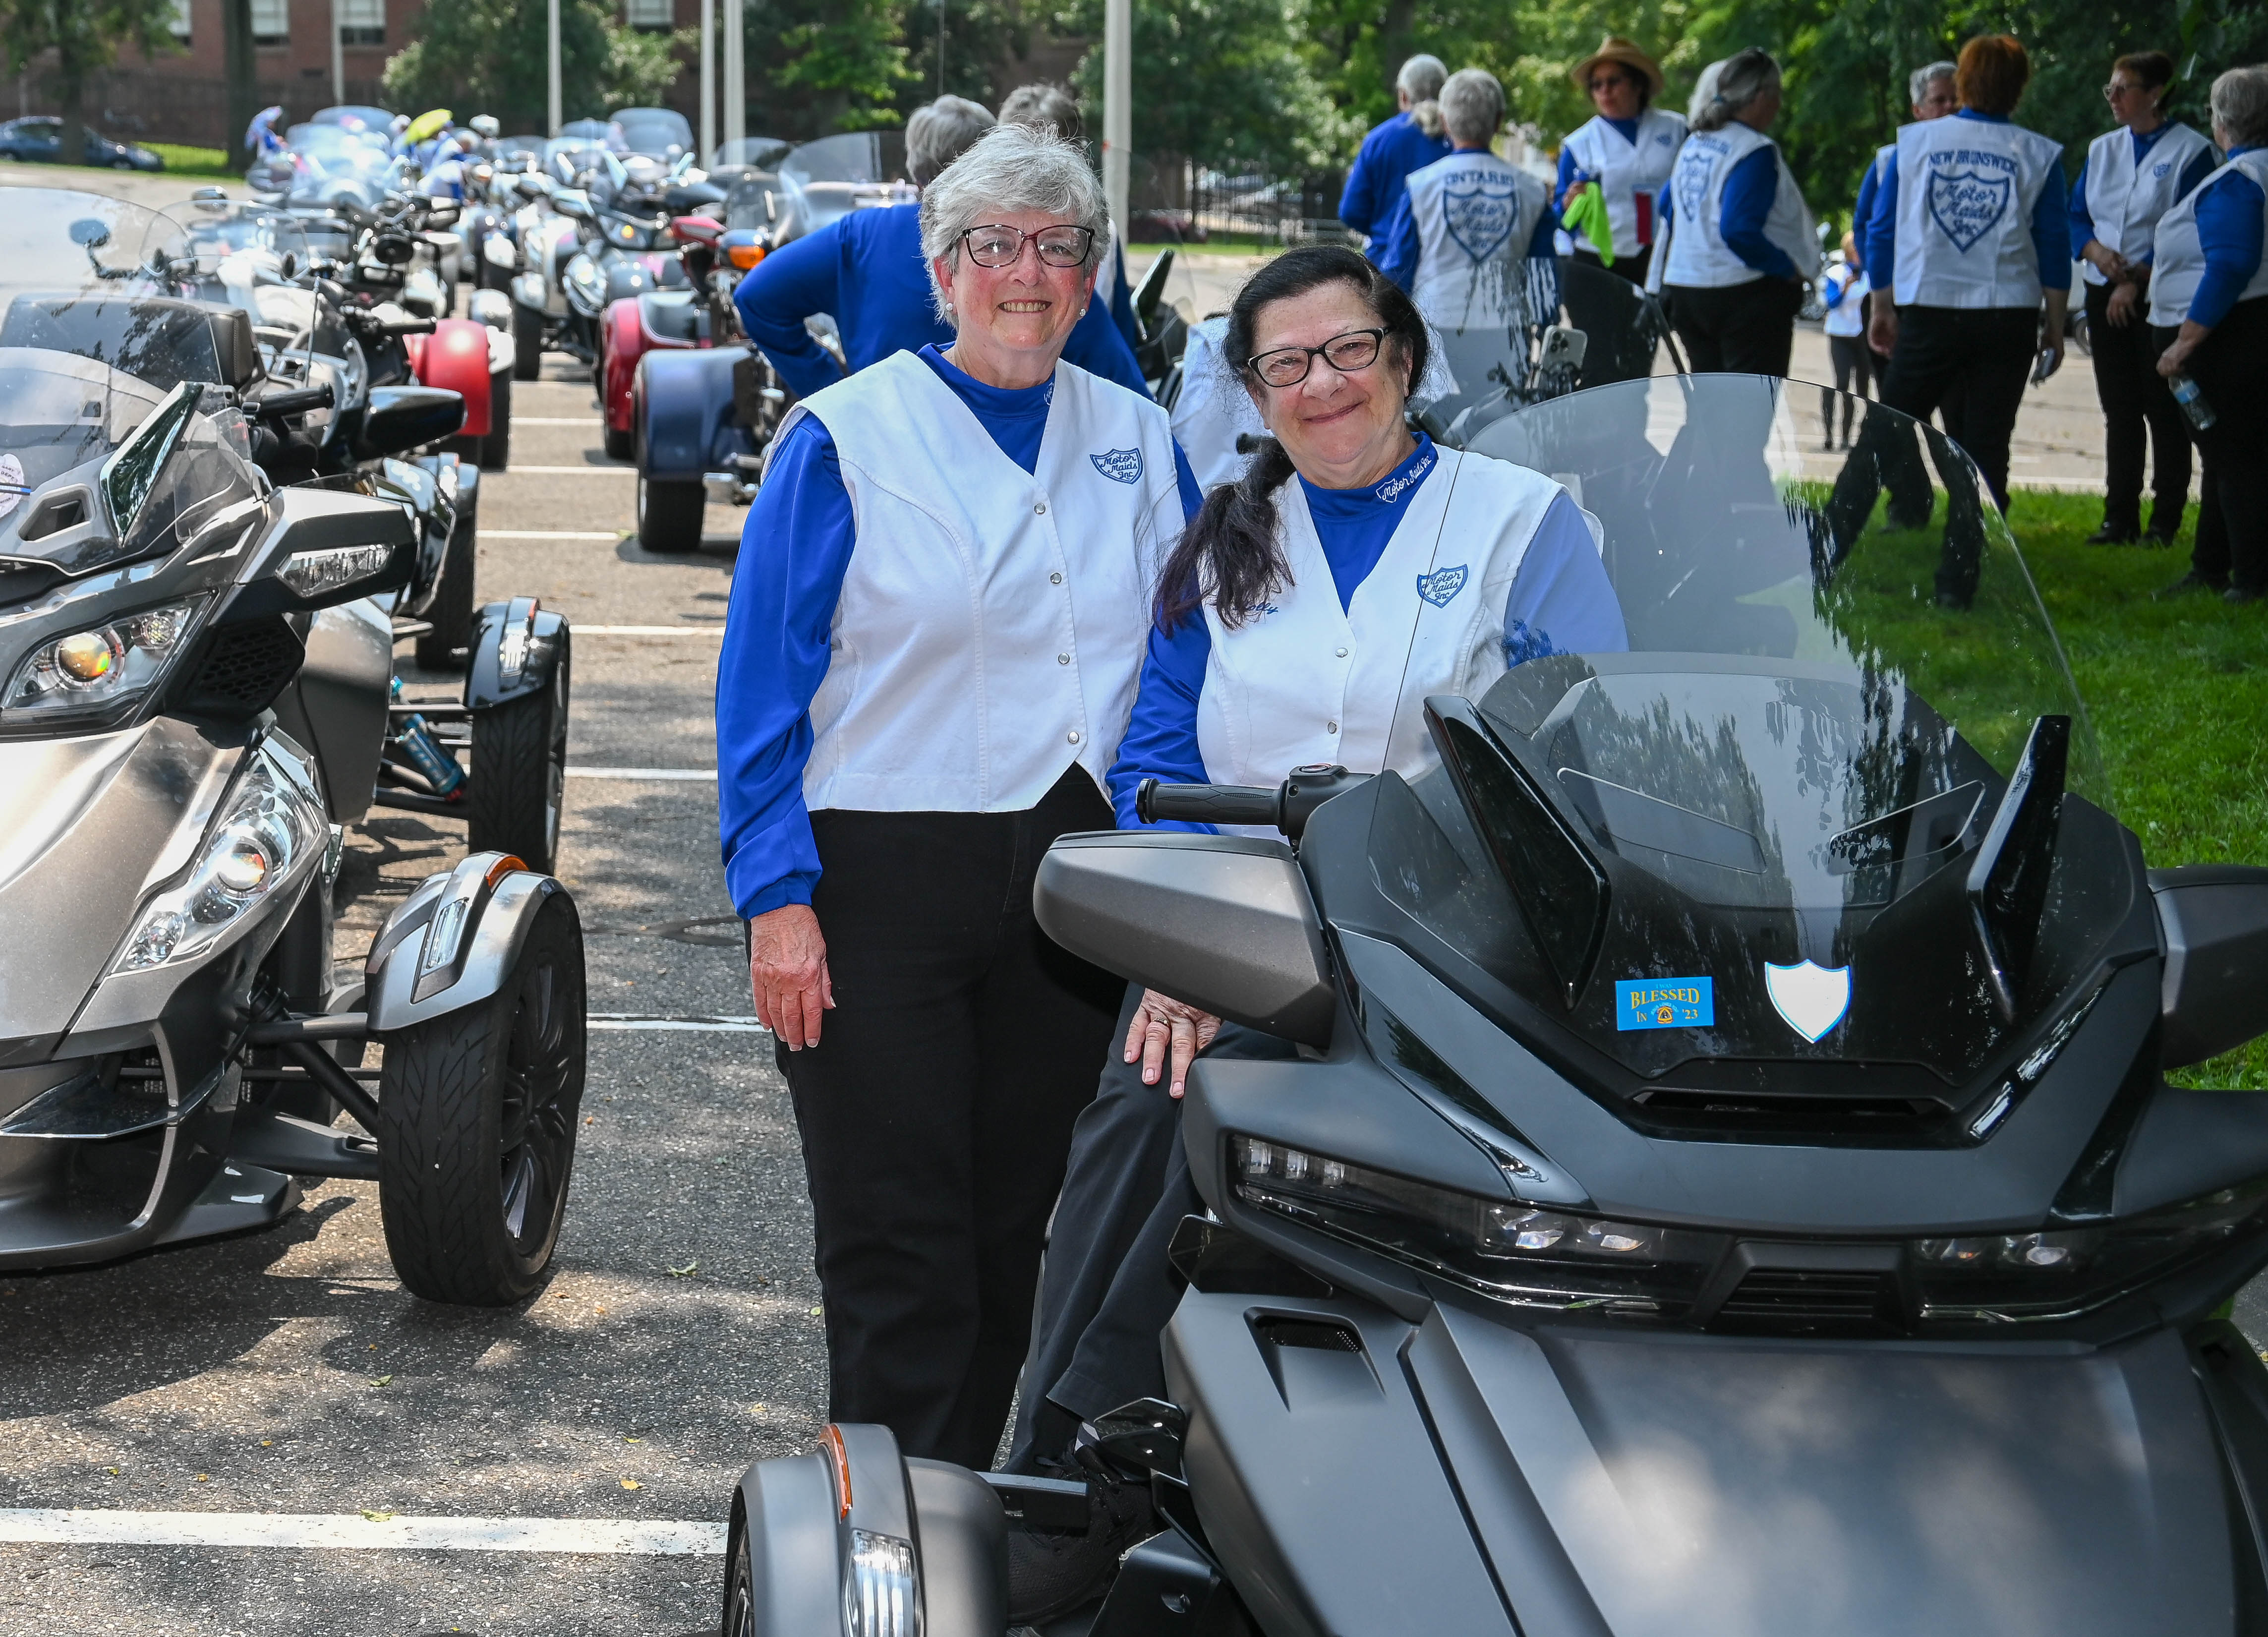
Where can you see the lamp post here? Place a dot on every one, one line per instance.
(736, 82)
(1117, 106)
(338, 56)
(551, 66)
(708, 81)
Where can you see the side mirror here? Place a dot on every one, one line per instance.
(401, 418)
(235, 346)
(1222, 922)
(573, 203)
(2212, 923)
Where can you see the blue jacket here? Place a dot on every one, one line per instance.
(1380, 177)
(866, 269)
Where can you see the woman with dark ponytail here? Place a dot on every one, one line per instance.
(1303, 618)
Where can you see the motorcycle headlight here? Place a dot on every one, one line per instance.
(500, 251)
(585, 285)
(271, 830)
(103, 665)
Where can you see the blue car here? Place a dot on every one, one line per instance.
(39, 140)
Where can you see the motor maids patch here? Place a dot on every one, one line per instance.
(1481, 206)
(1692, 183)
(1120, 466)
(1442, 583)
(1966, 206)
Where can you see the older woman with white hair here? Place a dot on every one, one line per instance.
(1467, 222)
(930, 657)
(1740, 241)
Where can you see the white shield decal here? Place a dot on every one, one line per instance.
(1812, 997)
(1965, 205)
(1479, 205)
(1121, 466)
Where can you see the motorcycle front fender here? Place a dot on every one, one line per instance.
(456, 357)
(427, 962)
(517, 645)
(685, 398)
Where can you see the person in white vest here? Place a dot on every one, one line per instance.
(1044, 106)
(1844, 288)
(1929, 94)
(1740, 245)
(936, 625)
(1214, 421)
(1970, 237)
(2209, 318)
(1307, 614)
(1473, 232)
(2133, 174)
(1622, 153)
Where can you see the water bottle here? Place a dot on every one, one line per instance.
(438, 768)
(2193, 399)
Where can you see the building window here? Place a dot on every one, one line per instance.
(651, 14)
(180, 24)
(362, 22)
(271, 22)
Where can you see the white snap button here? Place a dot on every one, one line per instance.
(1073, 735)
(1039, 510)
(1055, 579)
(1063, 658)
(1333, 726)
(1342, 653)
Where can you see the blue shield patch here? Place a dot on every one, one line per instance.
(1441, 585)
(1120, 466)
(1480, 205)
(1692, 181)
(1966, 206)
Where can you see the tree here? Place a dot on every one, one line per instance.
(816, 66)
(85, 35)
(489, 56)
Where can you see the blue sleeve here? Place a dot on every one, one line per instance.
(1749, 194)
(1834, 286)
(2229, 232)
(2082, 220)
(1566, 177)
(1878, 236)
(1542, 241)
(1401, 235)
(781, 291)
(1864, 205)
(1122, 301)
(2052, 231)
(1186, 481)
(1161, 736)
(794, 552)
(1561, 601)
(1096, 347)
(1358, 201)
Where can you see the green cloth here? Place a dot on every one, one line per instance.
(1587, 215)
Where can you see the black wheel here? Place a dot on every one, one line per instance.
(495, 448)
(619, 445)
(526, 343)
(519, 774)
(669, 515)
(479, 1109)
(739, 1584)
(443, 648)
(494, 278)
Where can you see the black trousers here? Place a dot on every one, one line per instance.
(937, 1107)
(1630, 267)
(2134, 395)
(1745, 329)
(1109, 1289)
(1854, 369)
(2228, 367)
(1971, 363)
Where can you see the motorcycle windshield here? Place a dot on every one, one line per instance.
(861, 156)
(255, 257)
(1834, 803)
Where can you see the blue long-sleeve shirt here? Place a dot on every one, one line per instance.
(1743, 208)
(1403, 248)
(795, 550)
(2230, 231)
(2082, 220)
(1868, 184)
(2050, 221)
(1568, 169)
(1381, 176)
(866, 269)
(1561, 601)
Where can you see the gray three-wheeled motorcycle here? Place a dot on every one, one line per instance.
(1727, 1180)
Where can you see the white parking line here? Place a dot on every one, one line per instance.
(642, 1022)
(649, 631)
(686, 773)
(356, 1531)
(565, 471)
(546, 533)
(591, 419)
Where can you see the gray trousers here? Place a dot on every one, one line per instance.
(1107, 1288)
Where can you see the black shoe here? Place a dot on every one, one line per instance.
(2240, 595)
(2111, 535)
(1954, 599)
(1050, 1574)
(2193, 584)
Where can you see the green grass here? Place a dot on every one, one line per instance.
(186, 161)
(2178, 692)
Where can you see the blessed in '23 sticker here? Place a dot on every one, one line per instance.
(1665, 1003)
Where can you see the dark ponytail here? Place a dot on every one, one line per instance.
(1228, 555)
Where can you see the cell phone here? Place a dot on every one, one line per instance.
(2046, 364)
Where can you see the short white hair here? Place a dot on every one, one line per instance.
(1041, 106)
(2239, 105)
(1421, 77)
(1010, 168)
(1917, 82)
(1741, 78)
(941, 132)
(1472, 104)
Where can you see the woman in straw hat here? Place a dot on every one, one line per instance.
(1623, 154)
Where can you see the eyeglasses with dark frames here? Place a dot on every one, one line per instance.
(1349, 354)
(996, 244)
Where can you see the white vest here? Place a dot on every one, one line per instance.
(1213, 408)
(1847, 318)
(1698, 256)
(1474, 216)
(1623, 170)
(2180, 260)
(991, 624)
(1966, 189)
(2126, 199)
(1308, 681)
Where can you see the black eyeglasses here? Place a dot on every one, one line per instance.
(1348, 354)
(998, 245)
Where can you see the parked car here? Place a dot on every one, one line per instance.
(39, 140)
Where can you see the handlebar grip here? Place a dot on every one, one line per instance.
(1205, 804)
(277, 405)
(412, 327)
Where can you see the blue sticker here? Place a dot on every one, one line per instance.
(1121, 466)
(1442, 583)
(1665, 1003)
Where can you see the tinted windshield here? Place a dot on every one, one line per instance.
(661, 132)
(865, 156)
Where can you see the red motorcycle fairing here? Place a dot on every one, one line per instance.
(456, 356)
(630, 333)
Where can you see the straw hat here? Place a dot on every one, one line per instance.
(1614, 49)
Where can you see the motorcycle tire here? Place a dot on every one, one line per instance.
(669, 515)
(480, 1108)
(526, 343)
(495, 448)
(518, 775)
(619, 445)
(443, 647)
(740, 1588)
(494, 278)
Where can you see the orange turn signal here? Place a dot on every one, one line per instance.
(745, 256)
